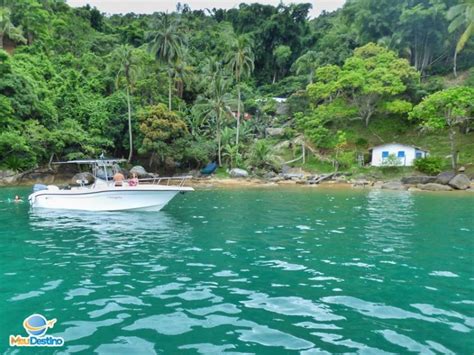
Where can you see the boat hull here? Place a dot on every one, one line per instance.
(146, 198)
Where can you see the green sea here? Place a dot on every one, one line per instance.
(259, 270)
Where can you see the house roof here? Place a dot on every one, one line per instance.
(406, 145)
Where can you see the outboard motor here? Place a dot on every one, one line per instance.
(39, 187)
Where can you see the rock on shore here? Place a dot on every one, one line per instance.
(85, 178)
(460, 182)
(445, 177)
(238, 173)
(141, 172)
(7, 177)
(414, 180)
(445, 181)
(434, 187)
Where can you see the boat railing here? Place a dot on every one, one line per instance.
(166, 180)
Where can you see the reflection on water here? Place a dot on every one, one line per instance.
(390, 221)
(106, 223)
(246, 272)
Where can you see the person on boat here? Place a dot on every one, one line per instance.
(118, 179)
(134, 180)
(17, 199)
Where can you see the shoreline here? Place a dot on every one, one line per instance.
(254, 182)
(235, 183)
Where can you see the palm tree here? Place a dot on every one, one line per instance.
(462, 17)
(231, 152)
(8, 29)
(129, 63)
(216, 106)
(307, 64)
(181, 72)
(166, 44)
(241, 62)
(261, 154)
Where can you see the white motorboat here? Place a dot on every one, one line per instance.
(151, 194)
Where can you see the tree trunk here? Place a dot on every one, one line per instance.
(274, 77)
(455, 60)
(367, 118)
(169, 92)
(452, 134)
(1, 41)
(238, 115)
(219, 148)
(180, 88)
(426, 55)
(150, 162)
(129, 124)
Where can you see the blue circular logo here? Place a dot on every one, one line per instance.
(36, 325)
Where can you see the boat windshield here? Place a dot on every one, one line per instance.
(105, 172)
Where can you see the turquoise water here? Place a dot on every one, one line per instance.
(246, 271)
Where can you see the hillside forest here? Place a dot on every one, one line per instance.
(252, 87)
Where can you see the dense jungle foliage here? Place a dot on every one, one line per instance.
(178, 90)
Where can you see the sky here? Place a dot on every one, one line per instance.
(150, 6)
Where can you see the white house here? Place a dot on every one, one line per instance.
(406, 154)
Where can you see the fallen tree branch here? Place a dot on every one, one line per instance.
(321, 178)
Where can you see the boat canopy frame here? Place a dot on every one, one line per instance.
(99, 162)
(97, 165)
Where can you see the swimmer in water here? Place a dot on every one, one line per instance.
(17, 199)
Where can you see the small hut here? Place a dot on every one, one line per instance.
(405, 154)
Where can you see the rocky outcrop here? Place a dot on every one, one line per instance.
(361, 183)
(378, 184)
(194, 173)
(415, 180)
(288, 173)
(394, 185)
(460, 182)
(433, 187)
(274, 132)
(140, 171)
(269, 175)
(33, 176)
(39, 175)
(282, 108)
(7, 177)
(445, 177)
(7, 173)
(293, 176)
(238, 173)
(83, 179)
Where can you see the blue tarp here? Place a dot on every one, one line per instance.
(209, 169)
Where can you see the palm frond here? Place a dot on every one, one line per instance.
(465, 37)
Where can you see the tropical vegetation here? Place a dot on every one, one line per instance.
(174, 91)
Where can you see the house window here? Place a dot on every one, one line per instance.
(384, 155)
(401, 154)
(418, 154)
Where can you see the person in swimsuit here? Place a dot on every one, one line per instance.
(133, 181)
(118, 179)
